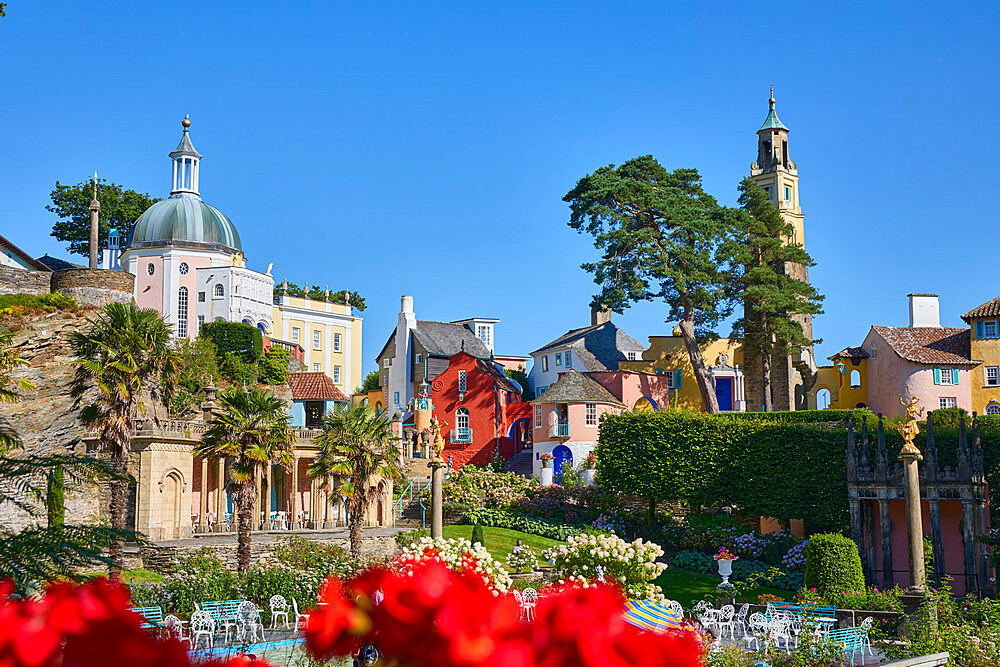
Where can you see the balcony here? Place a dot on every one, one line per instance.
(461, 435)
(559, 431)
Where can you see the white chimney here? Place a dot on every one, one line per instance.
(924, 310)
(406, 304)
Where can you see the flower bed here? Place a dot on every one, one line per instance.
(631, 564)
(458, 555)
(526, 524)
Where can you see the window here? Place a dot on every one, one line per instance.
(545, 362)
(201, 297)
(314, 414)
(201, 322)
(670, 379)
(317, 339)
(538, 416)
(462, 419)
(558, 358)
(182, 312)
(993, 409)
(336, 342)
(947, 402)
(336, 374)
(483, 332)
(315, 368)
(419, 359)
(855, 379)
(150, 269)
(946, 376)
(219, 292)
(770, 191)
(395, 397)
(387, 362)
(788, 193)
(183, 268)
(591, 414)
(295, 334)
(874, 353)
(462, 382)
(631, 355)
(989, 329)
(569, 359)
(992, 376)
(540, 391)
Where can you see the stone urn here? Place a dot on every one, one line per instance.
(725, 569)
(546, 474)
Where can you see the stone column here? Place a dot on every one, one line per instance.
(95, 208)
(914, 523)
(885, 529)
(969, 538)
(437, 517)
(268, 472)
(220, 494)
(314, 518)
(294, 519)
(203, 498)
(937, 546)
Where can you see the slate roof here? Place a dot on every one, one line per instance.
(575, 387)
(311, 386)
(851, 352)
(445, 339)
(502, 381)
(988, 309)
(598, 347)
(25, 257)
(56, 264)
(929, 345)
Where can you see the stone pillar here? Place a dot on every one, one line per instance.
(868, 530)
(437, 516)
(267, 508)
(969, 539)
(914, 523)
(937, 546)
(95, 208)
(220, 495)
(885, 530)
(255, 519)
(294, 519)
(203, 498)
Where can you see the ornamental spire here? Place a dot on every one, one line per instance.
(186, 160)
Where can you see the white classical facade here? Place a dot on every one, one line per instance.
(235, 294)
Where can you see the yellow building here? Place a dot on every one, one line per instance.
(667, 355)
(330, 334)
(984, 323)
(844, 385)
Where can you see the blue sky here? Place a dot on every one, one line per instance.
(424, 148)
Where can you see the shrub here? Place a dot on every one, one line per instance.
(237, 371)
(457, 554)
(497, 518)
(198, 368)
(477, 535)
(833, 565)
(243, 340)
(631, 564)
(522, 561)
(695, 561)
(303, 554)
(868, 599)
(274, 366)
(264, 580)
(197, 578)
(11, 304)
(408, 537)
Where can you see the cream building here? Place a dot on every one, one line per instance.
(329, 333)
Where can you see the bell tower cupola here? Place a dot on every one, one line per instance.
(775, 172)
(186, 160)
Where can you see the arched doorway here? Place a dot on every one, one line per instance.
(170, 505)
(562, 456)
(822, 399)
(644, 404)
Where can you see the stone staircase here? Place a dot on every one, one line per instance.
(521, 463)
(409, 513)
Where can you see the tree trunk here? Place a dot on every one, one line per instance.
(704, 380)
(765, 386)
(357, 518)
(117, 441)
(246, 496)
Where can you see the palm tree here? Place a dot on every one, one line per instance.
(10, 389)
(126, 355)
(250, 428)
(357, 445)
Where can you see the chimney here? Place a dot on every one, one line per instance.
(924, 310)
(599, 315)
(406, 304)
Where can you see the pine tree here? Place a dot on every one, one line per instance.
(771, 326)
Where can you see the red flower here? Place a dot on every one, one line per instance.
(335, 627)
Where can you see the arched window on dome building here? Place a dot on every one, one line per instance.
(182, 312)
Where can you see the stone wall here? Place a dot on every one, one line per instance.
(95, 287)
(163, 558)
(19, 281)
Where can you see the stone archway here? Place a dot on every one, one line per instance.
(171, 505)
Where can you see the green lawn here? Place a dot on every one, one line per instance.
(140, 575)
(500, 541)
(688, 587)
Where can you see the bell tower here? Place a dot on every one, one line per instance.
(791, 376)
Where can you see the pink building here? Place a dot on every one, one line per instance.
(637, 389)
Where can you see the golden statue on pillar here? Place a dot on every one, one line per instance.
(437, 441)
(910, 428)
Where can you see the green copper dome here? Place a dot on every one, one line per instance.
(184, 220)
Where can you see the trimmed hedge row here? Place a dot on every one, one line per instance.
(833, 565)
(497, 518)
(243, 340)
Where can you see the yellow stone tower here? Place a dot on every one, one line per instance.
(791, 377)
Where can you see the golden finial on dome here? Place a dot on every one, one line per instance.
(186, 122)
(770, 100)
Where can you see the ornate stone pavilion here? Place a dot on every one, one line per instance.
(955, 509)
(177, 495)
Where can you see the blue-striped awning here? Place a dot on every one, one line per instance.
(651, 616)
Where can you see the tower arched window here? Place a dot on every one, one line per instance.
(462, 421)
(993, 409)
(220, 291)
(182, 312)
(822, 399)
(855, 379)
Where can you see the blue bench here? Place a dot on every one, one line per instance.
(850, 639)
(223, 613)
(152, 616)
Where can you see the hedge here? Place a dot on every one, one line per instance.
(497, 518)
(243, 340)
(833, 565)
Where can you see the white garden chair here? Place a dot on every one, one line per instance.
(279, 607)
(174, 629)
(705, 614)
(248, 623)
(866, 626)
(779, 630)
(675, 607)
(726, 616)
(757, 630)
(303, 618)
(741, 620)
(529, 599)
(202, 625)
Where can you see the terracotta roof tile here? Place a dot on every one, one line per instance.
(314, 387)
(929, 345)
(988, 309)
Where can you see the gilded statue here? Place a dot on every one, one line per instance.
(910, 428)
(438, 441)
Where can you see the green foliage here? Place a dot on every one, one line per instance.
(55, 499)
(244, 340)
(695, 561)
(524, 560)
(785, 471)
(370, 383)
(15, 304)
(477, 534)
(833, 564)
(868, 599)
(519, 376)
(274, 366)
(316, 293)
(806, 416)
(237, 371)
(499, 518)
(304, 554)
(198, 367)
(406, 538)
(71, 204)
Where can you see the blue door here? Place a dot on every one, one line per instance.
(562, 455)
(724, 393)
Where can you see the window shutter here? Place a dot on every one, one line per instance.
(937, 375)
(954, 376)
(677, 378)
(979, 328)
